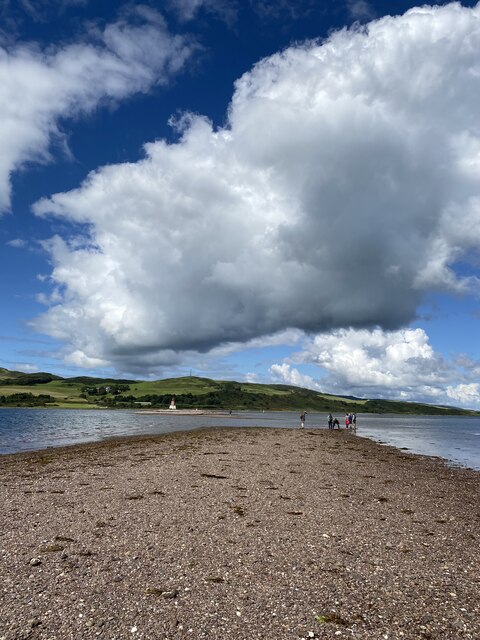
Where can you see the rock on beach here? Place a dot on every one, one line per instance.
(238, 533)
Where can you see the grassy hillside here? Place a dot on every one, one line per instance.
(175, 386)
(45, 389)
(6, 373)
(52, 390)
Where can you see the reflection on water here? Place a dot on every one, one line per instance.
(32, 429)
(456, 438)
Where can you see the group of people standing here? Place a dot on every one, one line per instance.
(350, 421)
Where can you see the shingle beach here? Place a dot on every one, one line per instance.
(241, 534)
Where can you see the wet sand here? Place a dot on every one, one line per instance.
(238, 533)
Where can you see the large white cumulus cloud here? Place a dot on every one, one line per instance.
(39, 87)
(344, 187)
(372, 363)
(390, 364)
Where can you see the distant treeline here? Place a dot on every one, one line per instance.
(25, 400)
(104, 390)
(86, 380)
(413, 408)
(234, 398)
(231, 396)
(28, 379)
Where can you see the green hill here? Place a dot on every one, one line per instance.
(17, 377)
(6, 373)
(46, 389)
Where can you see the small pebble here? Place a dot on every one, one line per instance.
(34, 622)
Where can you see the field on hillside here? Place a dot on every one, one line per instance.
(65, 394)
(174, 386)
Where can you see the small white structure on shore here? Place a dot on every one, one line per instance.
(172, 406)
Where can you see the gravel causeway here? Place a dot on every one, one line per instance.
(238, 533)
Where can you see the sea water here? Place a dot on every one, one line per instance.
(455, 438)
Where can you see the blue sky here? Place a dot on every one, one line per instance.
(265, 191)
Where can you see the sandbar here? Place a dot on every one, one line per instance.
(238, 533)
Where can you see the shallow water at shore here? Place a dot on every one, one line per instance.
(456, 438)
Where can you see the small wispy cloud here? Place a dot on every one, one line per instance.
(187, 10)
(4, 338)
(40, 88)
(25, 367)
(18, 243)
(360, 10)
(278, 9)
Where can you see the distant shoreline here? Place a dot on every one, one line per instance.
(226, 412)
(189, 412)
(193, 392)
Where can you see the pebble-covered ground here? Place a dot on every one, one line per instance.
(241, 534)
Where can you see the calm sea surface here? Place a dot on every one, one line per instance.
(456, 438)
